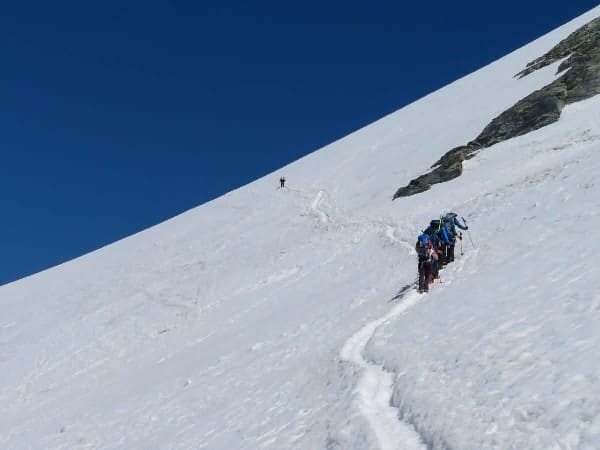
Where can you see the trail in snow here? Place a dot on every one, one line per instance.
(374, 388)
(315, 207)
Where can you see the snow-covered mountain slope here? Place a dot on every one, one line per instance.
(263, 319)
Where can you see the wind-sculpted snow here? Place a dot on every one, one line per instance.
(246, 323)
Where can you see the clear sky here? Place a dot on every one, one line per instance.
(116, 115)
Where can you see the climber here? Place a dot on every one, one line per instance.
(434, 238)
(450, 222)
(424, 249)
(441, 240)
(282, 182)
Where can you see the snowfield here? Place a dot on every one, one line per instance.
(287, 319)
(504, 354)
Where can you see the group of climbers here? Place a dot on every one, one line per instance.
(435, 247)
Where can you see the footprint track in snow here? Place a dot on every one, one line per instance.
(374, 389)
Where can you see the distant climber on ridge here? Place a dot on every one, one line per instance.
(282, 182)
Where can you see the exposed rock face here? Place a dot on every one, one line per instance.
(535, 111)
(582, 42)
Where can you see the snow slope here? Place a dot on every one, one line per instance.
(284, 319)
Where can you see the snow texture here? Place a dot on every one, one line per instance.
(286, 319)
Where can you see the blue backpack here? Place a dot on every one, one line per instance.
(448, 221)
(421, 246)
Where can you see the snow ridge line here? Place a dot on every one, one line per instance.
(374, 390)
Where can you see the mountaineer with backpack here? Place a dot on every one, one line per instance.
(438, 234)
(450, 222)
(434, 238)
(424, 249)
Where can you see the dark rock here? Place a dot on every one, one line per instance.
(543, 107)
(535, 111)
(582, 42)
(446, 168)
(449, 169)
(452, 157)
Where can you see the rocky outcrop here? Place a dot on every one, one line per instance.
(582, 42)
(543, 107)
(448, 167)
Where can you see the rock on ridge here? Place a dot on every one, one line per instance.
(540, 108)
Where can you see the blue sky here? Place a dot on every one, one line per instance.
(115, 116)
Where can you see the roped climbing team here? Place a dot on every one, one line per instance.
(435, 247)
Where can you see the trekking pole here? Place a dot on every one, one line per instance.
(468, 232)
(461, 251)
